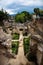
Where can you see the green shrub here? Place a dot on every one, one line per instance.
(26, 45)
(15, 47)
(15, 36)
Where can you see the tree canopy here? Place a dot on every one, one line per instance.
(41, 13)
(3, 16)
(23, 17)
(38, 11)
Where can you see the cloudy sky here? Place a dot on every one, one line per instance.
(15, 6)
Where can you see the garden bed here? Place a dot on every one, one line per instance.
(15, 45)
(26, 45)
(15, 36)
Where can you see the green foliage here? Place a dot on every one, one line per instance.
(38, 11)
(26, 45)
(22, 17)
(15, 36)
(3, 16)
(15, 47)
(41, 13)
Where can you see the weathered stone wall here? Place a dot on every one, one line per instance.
(39, 57)
(36, 41)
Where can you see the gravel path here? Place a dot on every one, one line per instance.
(21, 60)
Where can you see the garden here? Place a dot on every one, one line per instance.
(15, 36)
(15, 45)
(26, 45)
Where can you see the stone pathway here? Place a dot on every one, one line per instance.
(20, 59)
(15, 40)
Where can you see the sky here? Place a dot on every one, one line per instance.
(15, 6)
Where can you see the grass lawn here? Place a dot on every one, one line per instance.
(26, 45)
(15, 36)
(15, 46)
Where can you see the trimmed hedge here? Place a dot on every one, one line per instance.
(15, 46)
(15, 36)
(26, 45)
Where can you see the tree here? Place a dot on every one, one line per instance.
(41, 12)
(23, 17)
(6, 16)
(37, 11)
(3, 16)
(20, 18)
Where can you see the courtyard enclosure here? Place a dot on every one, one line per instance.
(21, 38)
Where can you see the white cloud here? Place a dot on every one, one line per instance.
(6, 3)
(9, 11)
(32, 2)
(12, 11)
